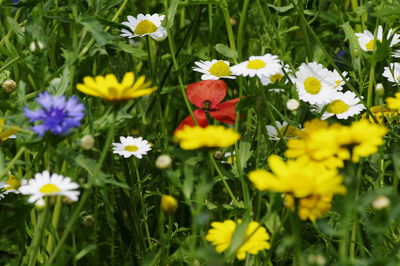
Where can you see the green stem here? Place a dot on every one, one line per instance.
(38, 235)
(12, 162)
(54, 222)
(296, 230)
(241, 25)
(222, 177)
(176, 67)
(228, 24)
(371, 85)
(141, 197)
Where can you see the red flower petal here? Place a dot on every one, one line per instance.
(206, 90)
(200, 116)
(226, 112)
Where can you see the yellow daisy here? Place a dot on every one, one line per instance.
(107, 87)
(254, 240)
(394, 102)
(311, 207)
(8, 133)
(383, 114)
(191, 138)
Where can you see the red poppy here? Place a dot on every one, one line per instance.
(207, 95)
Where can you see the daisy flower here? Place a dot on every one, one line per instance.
(131, 146)
(286, 130)
(57, 114)
(214, 69)
(366, 39)
(392, 72)
(145, 25)
(337, 79)
(45, 184)
(276, 77)
(314, 83)
(343, 106)
(259, 66)
(11, 185)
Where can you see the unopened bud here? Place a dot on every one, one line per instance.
(292, 104)
(356, 52)
(87, 142)
(88, 220)
(163, 161)
(379, 89)
(381, 202)
(40, 204)
(168, 204)
(9, 85)
(233, 21)
(36, 46)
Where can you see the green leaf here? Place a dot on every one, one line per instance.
(350, 35)
(128, 48)
(173, 7)
(393, 10)
(226, 51)
(281, 9)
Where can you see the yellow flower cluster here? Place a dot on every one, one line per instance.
(311, 176)
(254, 240)
(191, 138)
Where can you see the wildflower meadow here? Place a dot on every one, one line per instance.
(199, 132)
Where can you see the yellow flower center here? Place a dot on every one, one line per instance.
(145, 26)
(49, 188)
(276, 77)
(312, 85)
(337, 107)
(370, 45)
(131, 148)
(220, 69)
(256, 64)
(337, 82)
(12, 182)
(289, 131)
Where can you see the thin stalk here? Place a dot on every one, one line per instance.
(54, 222)
(371, 85)
(222, 178)
(228, 24)
(12, 162)
(141, 197)
(241, 25)
(38, 235)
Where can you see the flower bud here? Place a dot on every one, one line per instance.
(356, 52)
(87, 142)
(88, 220)
(381, 202)
(9, 85)
(379, 89)
(218, 155)
(163, 161)
(168, 204)
(292, 104)
(40, 204)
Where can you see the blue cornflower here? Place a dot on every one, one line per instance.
(57, 114)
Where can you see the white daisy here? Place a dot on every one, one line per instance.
(343, 106)
(260, 66)
(131, 146)
(337, 79)
(287, 131)
(314, 83)
(230, 158)
(45, 185)
(214, 69)
(145, 25)
(366, 39)
(392, 72)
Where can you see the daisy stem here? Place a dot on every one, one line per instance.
(139, 183)
(227, 18)
(222, 177)
(371, 85)
(176, 67)
(54, 223)
(241, 25)
(38, 235)
(296, 230)
(150, 58)
(87, 191)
